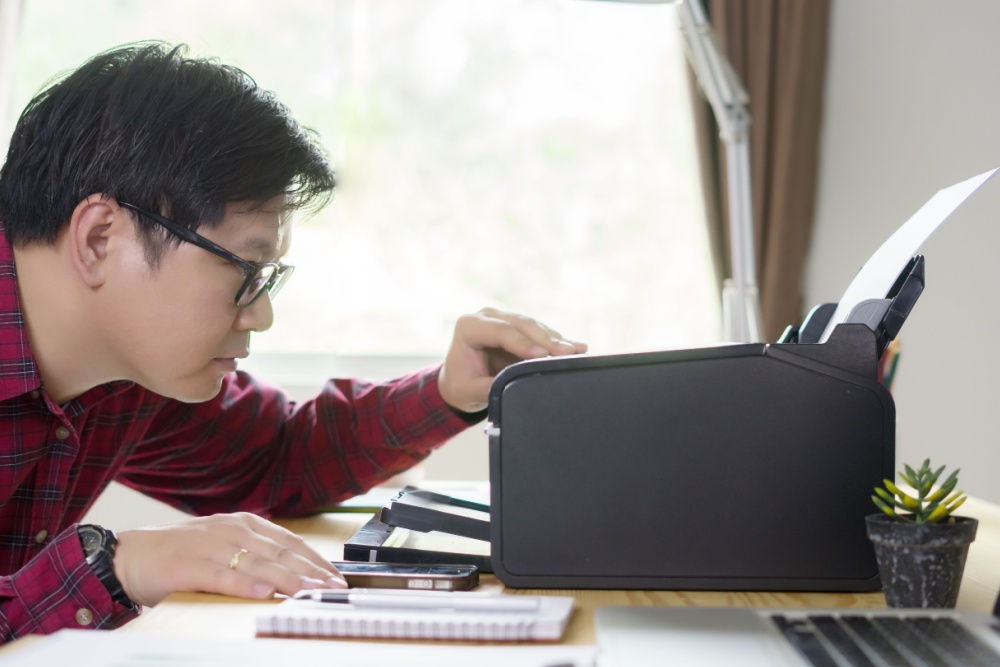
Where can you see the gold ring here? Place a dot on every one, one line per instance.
(235, 560)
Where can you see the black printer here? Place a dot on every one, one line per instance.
(734, 467)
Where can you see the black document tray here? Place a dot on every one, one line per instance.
(378, 542)
(738, 467)
(425, 511)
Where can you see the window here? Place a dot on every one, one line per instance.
(533, 155)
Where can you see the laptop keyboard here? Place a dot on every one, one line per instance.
(879, 641)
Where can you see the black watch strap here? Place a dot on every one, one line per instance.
(99, 546)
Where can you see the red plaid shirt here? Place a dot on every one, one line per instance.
(251, 448)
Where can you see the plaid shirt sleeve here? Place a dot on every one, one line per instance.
(57, 589)
(253, 449)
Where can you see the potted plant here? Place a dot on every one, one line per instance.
(920, 545)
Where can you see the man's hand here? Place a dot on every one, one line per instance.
(487, 342)
(206, 554)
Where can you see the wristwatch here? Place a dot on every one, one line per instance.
(99, 545)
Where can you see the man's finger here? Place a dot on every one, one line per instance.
(276, 575)
(548, 340)
(293, 551)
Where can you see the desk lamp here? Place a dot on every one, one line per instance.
(728, 99)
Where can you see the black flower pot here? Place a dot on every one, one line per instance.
(921, 565)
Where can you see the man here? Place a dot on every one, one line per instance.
(145, 201)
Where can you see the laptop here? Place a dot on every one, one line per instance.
(710, 637)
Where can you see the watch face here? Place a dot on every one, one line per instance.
(91, 539)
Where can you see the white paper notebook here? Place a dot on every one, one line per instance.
(305, 618)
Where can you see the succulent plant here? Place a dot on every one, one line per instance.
(924, 504)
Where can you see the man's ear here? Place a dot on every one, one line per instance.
(93, 223)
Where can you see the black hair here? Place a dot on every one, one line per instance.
(147, 125)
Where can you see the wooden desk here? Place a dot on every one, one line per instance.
(202, 615)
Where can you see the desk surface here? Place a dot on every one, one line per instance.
(203, 615)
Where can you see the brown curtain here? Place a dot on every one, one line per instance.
(778, 50)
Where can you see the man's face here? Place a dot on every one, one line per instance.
(176, 328)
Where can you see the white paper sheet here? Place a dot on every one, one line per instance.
(877, 276)
(95, 648)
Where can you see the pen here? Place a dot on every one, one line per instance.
(403, 599)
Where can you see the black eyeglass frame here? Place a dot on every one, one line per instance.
(274, 282)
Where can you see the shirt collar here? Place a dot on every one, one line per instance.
(18, 370)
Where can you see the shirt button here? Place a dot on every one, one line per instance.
(84, 617)
(35, 393)
(62, 433)
(40, 537)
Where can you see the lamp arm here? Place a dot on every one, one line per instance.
(715, 75)
(728, 99)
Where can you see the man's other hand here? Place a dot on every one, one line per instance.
(487, 342)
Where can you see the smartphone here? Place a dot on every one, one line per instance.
(409, 575)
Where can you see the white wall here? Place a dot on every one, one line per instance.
(912, 100)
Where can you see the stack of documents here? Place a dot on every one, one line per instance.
(408, 614)
(879, 273)
(87, 648)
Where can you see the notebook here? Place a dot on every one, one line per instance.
(708, 637)
(306, 618)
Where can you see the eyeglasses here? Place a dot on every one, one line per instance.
(259, 277)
